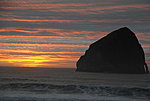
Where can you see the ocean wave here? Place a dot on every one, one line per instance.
(54, 99)
(59, 97)
(48, 99)
(15, 79)
(78, 89)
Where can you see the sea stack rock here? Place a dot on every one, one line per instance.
(118, 52)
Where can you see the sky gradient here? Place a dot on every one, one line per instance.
(55, 33)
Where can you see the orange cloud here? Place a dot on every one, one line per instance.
(41, 6)
(65, 21)
(46, 45)
(33, 20)
(61, 33)
(82, 8)
(37, 59)
(30, 30)
(50, 5)
(90, 9)
(39, 37)
(10, 51)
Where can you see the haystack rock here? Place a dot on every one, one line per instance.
(118, 52)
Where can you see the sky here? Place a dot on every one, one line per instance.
(55, 33)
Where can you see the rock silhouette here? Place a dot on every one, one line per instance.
(118, 52)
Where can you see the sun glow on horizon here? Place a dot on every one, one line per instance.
(28, 58)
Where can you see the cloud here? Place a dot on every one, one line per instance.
(33, 20)
(49, 33)
(30, 58)
(56, 32)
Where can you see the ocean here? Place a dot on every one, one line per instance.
(64, 84)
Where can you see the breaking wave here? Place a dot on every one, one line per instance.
(78, 89)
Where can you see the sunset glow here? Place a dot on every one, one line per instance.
(55, 33)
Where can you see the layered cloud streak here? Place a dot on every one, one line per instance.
(55, 33)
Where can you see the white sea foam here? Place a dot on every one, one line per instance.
(36, 84)
(65, 97)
